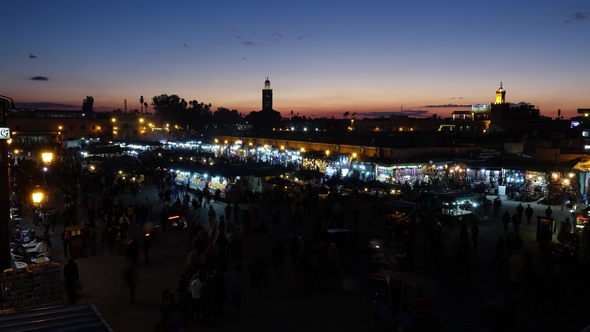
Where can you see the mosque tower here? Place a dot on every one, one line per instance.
(267, 96)
(500, 95)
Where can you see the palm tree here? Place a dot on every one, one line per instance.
(141, 102)
(346, 114)
(145, 104)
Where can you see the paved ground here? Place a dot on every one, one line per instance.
(460, 303)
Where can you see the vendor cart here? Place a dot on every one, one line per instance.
(404, 299)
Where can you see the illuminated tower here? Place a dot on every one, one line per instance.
(500, 95)
(267, 96)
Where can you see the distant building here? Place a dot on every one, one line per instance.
(267, 96)
(49, 126)
(505, 116)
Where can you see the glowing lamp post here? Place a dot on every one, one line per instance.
(47, 157)
(37, 197)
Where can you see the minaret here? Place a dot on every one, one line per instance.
(267, 96)
(500, 95)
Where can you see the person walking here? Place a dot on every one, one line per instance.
(517, 264)
(130, 277)
(211, 214)
(236, 212)
(506, 220)
(71, 275)
(228, 210)
(516, 222)
(196, 289)
(217, 195)
(92, 240)
(238, 282)
(520, 211)
(65, 238)
(528, 213)
(497, 206)
(548, 212)
(146, 245)
(333, 259)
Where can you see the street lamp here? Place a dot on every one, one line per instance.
(47, 157)
(37, 197)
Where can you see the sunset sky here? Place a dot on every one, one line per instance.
(322, 57)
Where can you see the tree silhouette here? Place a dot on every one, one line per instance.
(145, 104)
(141, 103)
(346, 114)
(264, 120)
(88, 104)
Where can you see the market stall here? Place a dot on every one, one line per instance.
(398, 215)
(457, 207)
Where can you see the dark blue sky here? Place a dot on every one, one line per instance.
(322, 57)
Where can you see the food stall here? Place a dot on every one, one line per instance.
(545, 229)
(398, 215)
(457, 207)
(581, 218)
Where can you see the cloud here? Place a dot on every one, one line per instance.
(39, 78)
(378, 114)
(303, 37)
(416, 113)
(256, 34)
(276, 36)
(576, 16)
(447, 105)
(45, 105)
(251, 43)
(150, 52)
(457, 98)
(185, 46)
(244, 58)
(32, 56)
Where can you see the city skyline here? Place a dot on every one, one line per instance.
(323, 59)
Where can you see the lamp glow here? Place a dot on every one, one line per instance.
(37, 197)
(47, 157)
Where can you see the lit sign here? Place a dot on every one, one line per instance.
(586, 147)
(481, 107)
(586, 133)
(4, 133)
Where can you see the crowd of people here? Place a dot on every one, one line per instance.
(234, 247)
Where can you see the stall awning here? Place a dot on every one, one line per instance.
(397, 206)
(72, 318)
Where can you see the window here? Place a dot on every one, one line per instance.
(83, 127)
(71, 127)
(93, 127)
